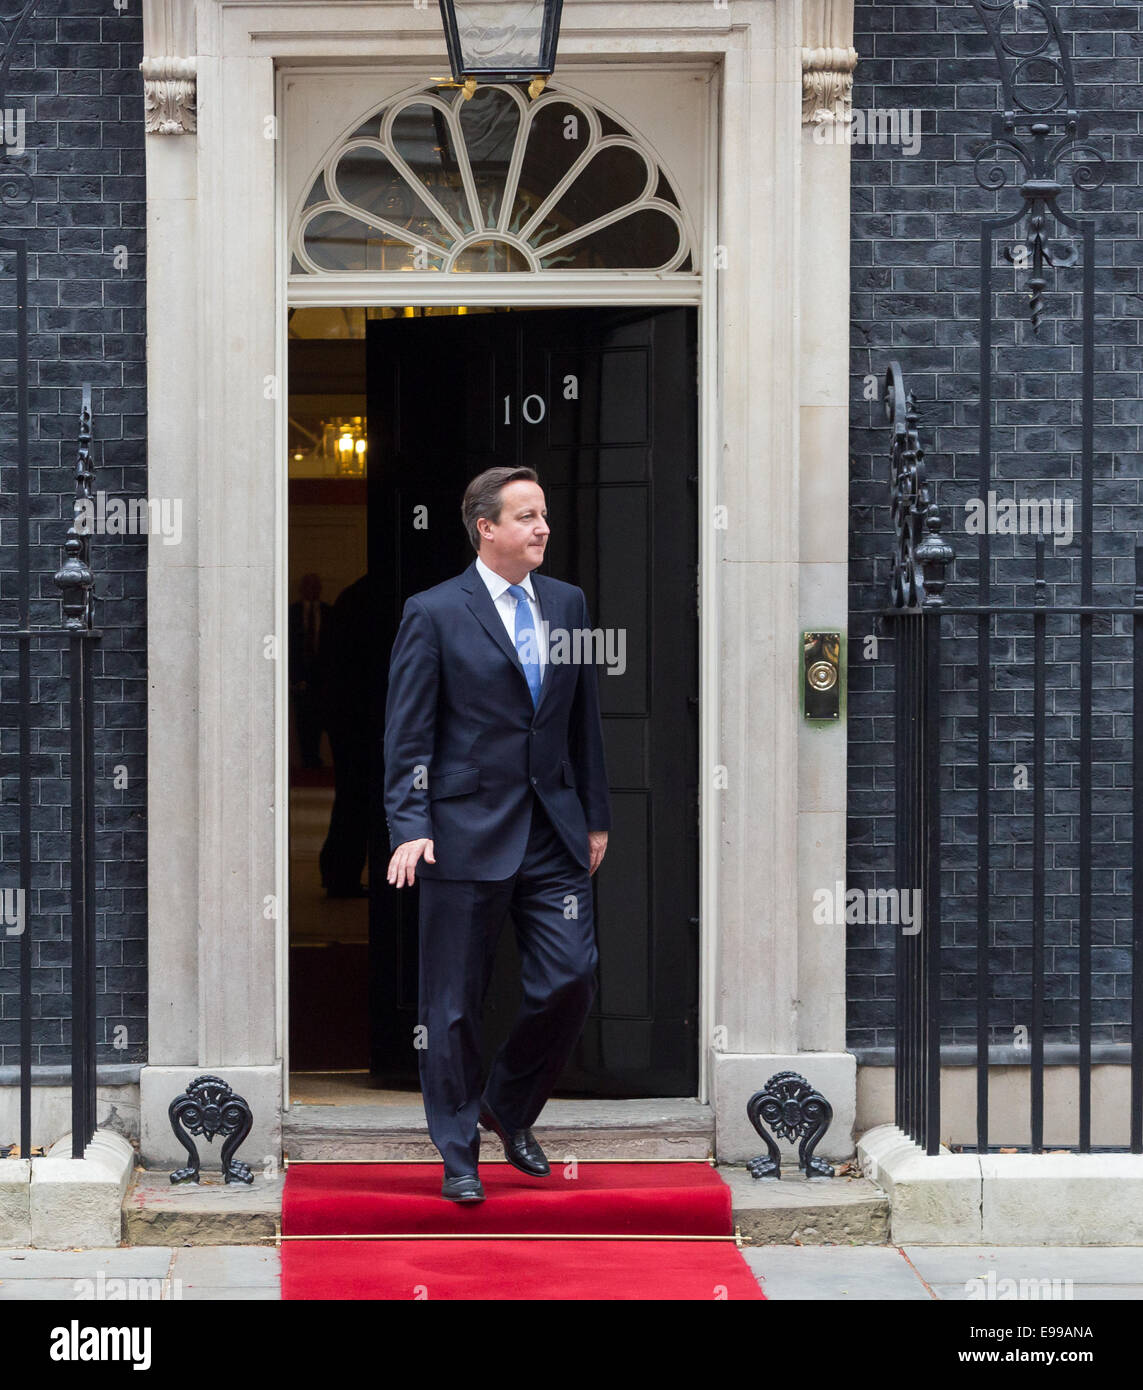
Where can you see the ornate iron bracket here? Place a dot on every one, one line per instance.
(1039, 130)
(15, 180)
(792, 1108)
(922, 553)
(208, 1107)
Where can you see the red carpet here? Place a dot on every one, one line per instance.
(652, 1199)
(516, 1269)
(665, 1200)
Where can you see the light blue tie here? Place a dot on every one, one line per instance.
(526, 644)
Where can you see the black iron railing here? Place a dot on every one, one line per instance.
(1038, 132)
(75, 581)
(919, 613)
(918, 580)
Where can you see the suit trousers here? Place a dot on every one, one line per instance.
(550, 901)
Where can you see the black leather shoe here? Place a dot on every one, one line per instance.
(467, 1187)
(520, 1149)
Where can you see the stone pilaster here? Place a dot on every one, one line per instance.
(791, 1015)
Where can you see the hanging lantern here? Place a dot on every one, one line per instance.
(501, 40)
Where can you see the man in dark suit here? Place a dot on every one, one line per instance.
(496, 795)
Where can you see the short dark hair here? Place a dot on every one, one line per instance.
(482, 497)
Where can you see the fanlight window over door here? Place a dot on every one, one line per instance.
(496, 183)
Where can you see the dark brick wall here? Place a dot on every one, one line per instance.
(76, 75)
(915, 220)
(915, 288)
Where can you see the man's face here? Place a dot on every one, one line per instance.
(519, 539)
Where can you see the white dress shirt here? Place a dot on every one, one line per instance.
(498, 587)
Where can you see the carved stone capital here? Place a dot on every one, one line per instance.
(827, 84)
(169, 95)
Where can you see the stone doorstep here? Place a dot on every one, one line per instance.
(792, 1210)
(209, 1212)
(1004, 1199)
(843, 1210)
(57, 1202)
(631, 1129)
(795, 1210)
(212, 1212)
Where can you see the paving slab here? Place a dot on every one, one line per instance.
(115, 1280)
(39, 1291)
(951, 1264)
(144, 1263)
(839, 1272)
(819, 1273)
(811, 1211)
(1088, 1293)
(65, 1291)
(1080, 1293)
(226, 1266)
(229, 1295)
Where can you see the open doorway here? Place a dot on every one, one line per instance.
(391, 412)
(329, 716)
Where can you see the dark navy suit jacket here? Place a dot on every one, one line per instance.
(464, 747)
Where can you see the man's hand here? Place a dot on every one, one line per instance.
(405, 857)
(597, 846)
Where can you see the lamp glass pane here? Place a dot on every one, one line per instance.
(500, 35)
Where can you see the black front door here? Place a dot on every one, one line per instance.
(602, 403)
